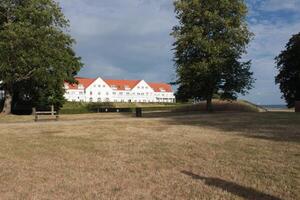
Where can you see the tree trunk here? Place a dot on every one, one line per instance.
(7, 103)
(297, 99)
(209, 106)
(297, 106)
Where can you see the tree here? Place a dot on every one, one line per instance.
(36, 55)
(288, 64)
(210, 39)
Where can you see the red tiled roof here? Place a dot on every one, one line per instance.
(161, 87)
(86, 82)
(122, 84)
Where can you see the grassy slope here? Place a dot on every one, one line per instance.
(113, 156)
(77, 108)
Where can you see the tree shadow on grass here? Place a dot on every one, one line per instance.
(278, 127)
(233, 188)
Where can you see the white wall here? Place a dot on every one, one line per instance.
(75, 95)
(100, 91)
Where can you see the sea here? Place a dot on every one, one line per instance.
(275, 106)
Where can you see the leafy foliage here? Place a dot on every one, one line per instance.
(288, 64)
(36, 54)
(210, 40)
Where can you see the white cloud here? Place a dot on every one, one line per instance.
(130, 39)
(278, 5)
(270, 40)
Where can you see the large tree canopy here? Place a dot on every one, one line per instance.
(210, 40)
(36, 55)
(288, 64)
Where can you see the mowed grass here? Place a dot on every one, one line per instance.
(160, 156)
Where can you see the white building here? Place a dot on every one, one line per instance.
(99, 90)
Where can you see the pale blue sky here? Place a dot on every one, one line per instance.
(129, 39)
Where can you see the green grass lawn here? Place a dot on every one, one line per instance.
(161, 156)
(81, 108)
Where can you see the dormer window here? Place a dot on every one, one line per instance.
(114, 87)
(80, 86)
(162, 89)
(127, 87)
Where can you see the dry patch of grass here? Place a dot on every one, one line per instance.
(162, 156)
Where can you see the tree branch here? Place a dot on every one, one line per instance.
(27, 76)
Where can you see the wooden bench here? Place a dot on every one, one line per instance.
(52, 113)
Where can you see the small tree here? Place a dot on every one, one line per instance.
(210, 40)
(36, 55)
(288, 64)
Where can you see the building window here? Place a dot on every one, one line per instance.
(127, 87)
(114, 93)
(99, 93)
(107, 93)
(91, 93)
(91, 99)
(120, 93)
